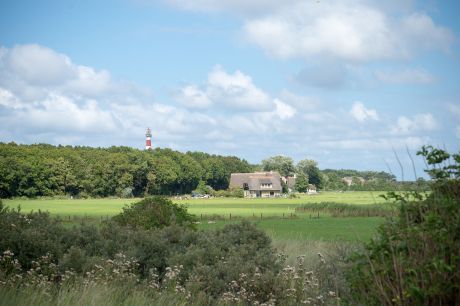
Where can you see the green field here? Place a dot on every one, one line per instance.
(276, 216)
(213, 206)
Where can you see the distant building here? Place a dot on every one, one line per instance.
(311, 189)
(290, 182)
(257, 184)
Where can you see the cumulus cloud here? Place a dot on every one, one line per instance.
(351, 30)
(405, 76)
(420, 122)
(347, 30)
(191, 96)
(56, 113)
(361, 113)
(76, 102)
(283, 110)
(31, 71)
(231, 90)
(44, 92)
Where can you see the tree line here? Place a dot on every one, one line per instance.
(46, 170)
(307, 172)
(80, 171)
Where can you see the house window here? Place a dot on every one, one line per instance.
(266, 185)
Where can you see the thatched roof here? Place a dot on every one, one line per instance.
(254, 180)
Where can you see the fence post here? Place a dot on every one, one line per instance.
(283, 215)
(230, 216)
(318, 214)
(260, 216)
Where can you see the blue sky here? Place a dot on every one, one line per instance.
(346, 83)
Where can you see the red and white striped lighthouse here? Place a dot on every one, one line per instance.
(148, 139)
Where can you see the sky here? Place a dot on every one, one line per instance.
(352, 84)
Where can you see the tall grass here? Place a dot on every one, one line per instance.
(94, 295)
(349, 210)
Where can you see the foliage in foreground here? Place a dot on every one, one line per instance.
(233, 265)
(415, 260)
(154, 212)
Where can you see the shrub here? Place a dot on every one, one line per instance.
(30, 236)
(154, 212)
(234, 192)
(414, 260)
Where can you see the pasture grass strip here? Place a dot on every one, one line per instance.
(349, 210)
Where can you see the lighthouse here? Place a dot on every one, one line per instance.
(148, 139)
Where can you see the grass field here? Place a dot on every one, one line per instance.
(277, 216)
(214, 206)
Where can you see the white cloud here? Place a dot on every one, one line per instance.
(38, 65)
(8, 100)
(351, 30)
(192, 97)
(347, 30)
(31, 71)
(283, 110)
(361, 113)
(406, 76)
(420, 122)
(60, 113)
(234, 91)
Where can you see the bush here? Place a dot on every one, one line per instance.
(154, 212)
(414, 260)
(30, 236)
(234, 192)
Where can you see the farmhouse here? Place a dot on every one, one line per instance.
(257, 184)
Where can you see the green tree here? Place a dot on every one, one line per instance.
(283, 164)
(301, 183)
(310, 169)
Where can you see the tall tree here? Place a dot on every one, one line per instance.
(301, 183)
(283, 164)
(309, 168)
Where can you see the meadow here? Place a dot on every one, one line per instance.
(200, 206)
(276, 216)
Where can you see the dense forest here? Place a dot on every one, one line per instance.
(46, 170)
